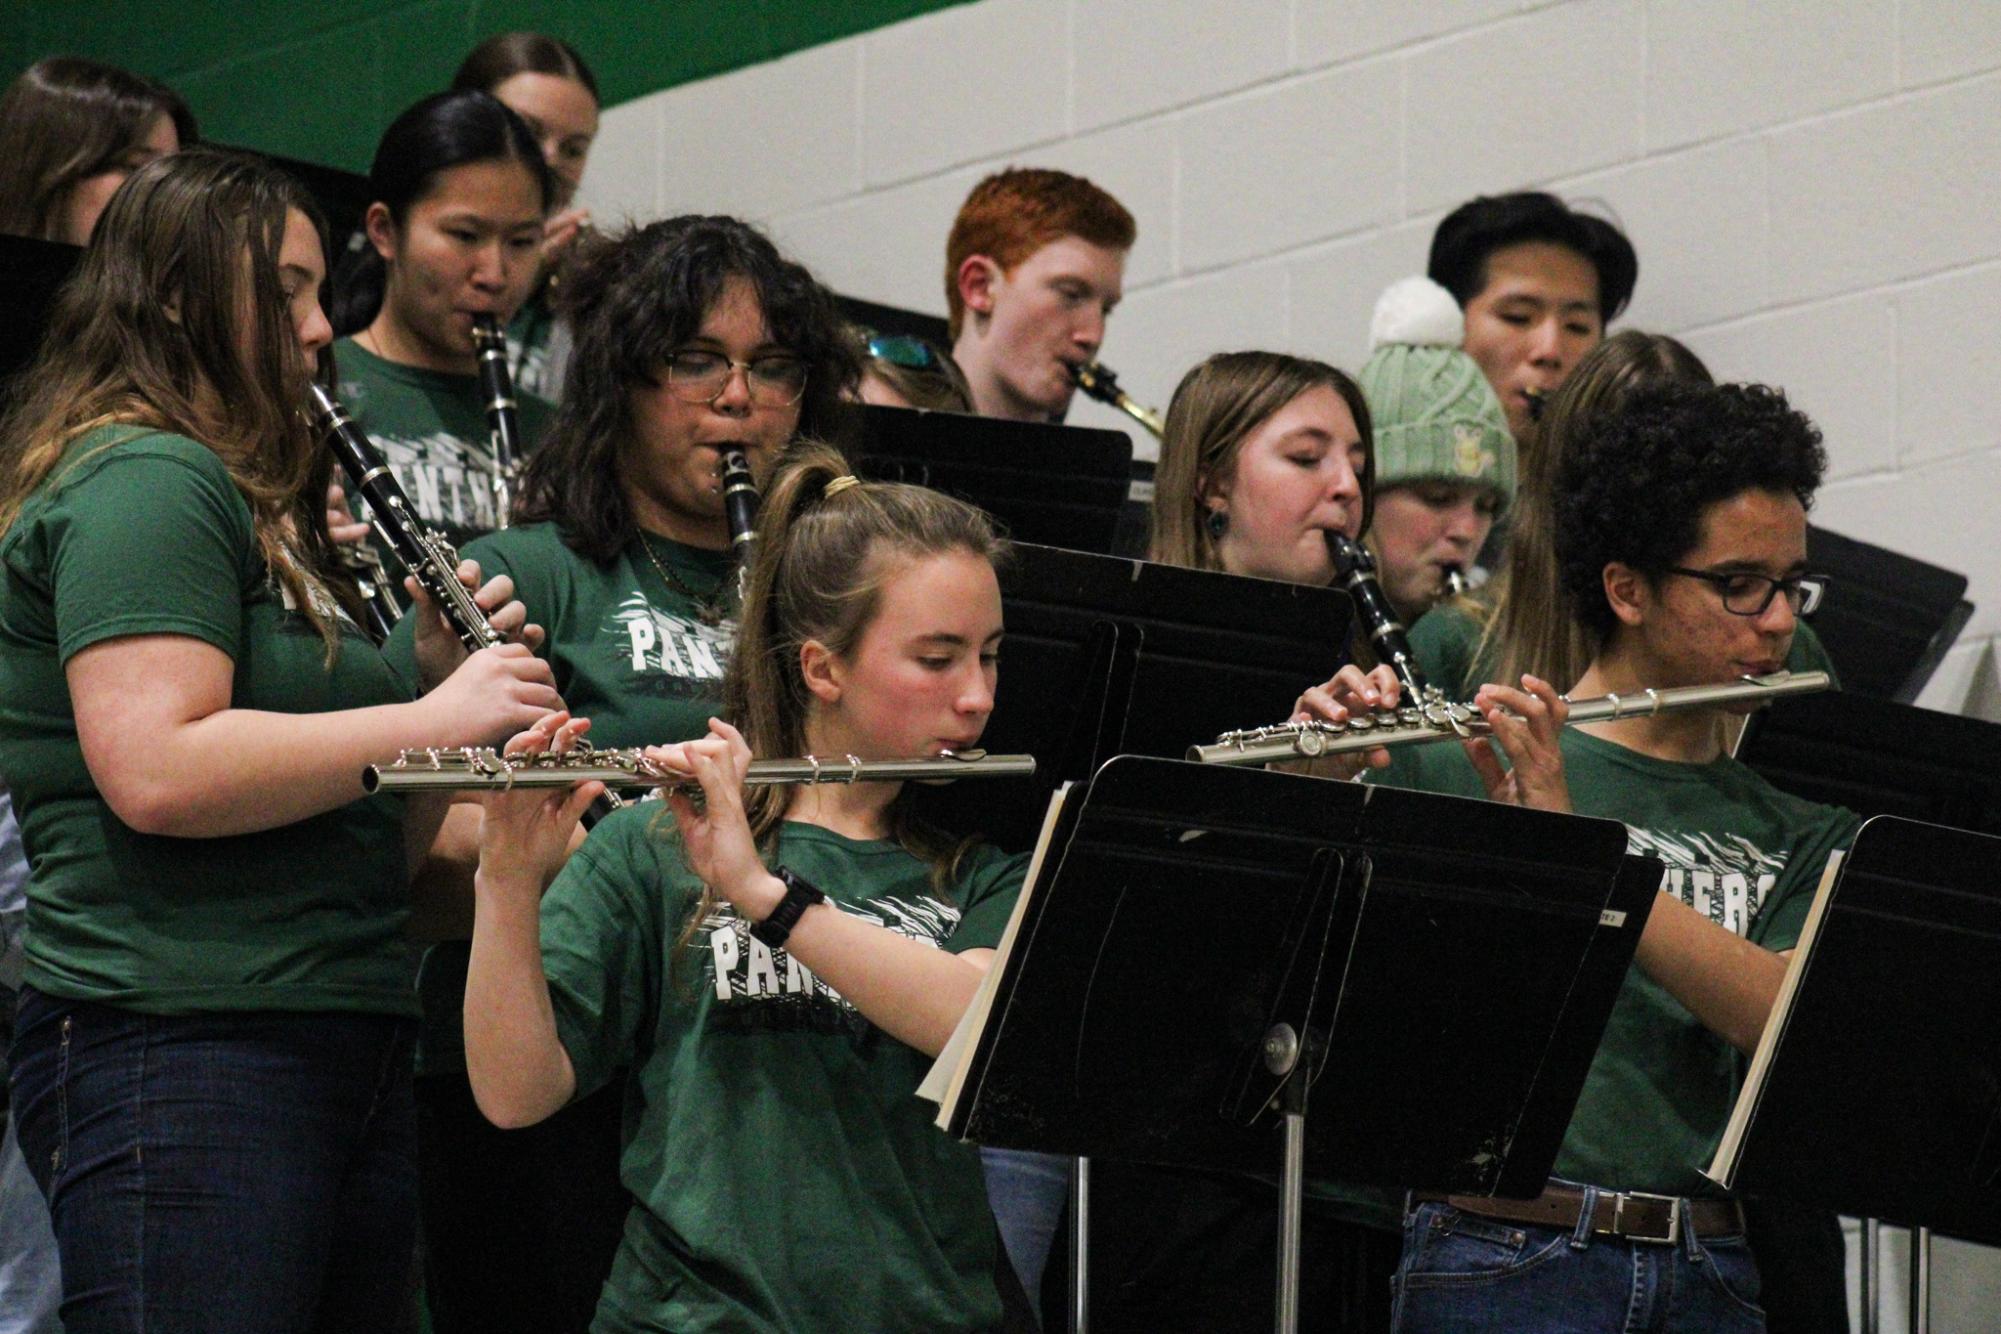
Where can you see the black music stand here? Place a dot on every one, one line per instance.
(1876, 1090)
(1888, 618)
(1877, 757)
(1059, 486)
(1202, 944)
(1106, 656)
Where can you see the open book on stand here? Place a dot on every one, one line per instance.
(1875, 1090)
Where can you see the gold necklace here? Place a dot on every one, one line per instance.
(708, 607)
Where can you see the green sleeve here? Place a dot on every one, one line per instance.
(986, 898)
(1778, 926)
(400, 651)
(1443, 641)
(1810, 655)
(150, 538)
(602, 946)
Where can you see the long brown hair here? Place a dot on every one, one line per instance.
(1214, 408)
(1533, 628)
(65, 119)
(147, 332)
(820, 566)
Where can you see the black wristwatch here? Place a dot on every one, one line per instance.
(800, 894)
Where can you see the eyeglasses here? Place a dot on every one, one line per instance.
(702, 377)
(913, 354)
(1747, 594)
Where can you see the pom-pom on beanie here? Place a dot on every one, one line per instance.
(1435, 416)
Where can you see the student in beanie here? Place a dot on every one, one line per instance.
(1445, 461)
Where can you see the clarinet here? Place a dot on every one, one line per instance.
(740, 510)
(504, 439)
(1356, 570)
(422, 551)
(425, 553)
(378, 593)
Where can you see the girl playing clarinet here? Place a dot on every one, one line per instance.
(212, 1063)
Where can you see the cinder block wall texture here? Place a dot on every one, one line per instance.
(1814, 189)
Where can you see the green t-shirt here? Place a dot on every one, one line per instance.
(1446, 644)
(140, 532)
(786, 1176)
(432, 431)
(629, 652)
(1739, 851)
(532, 348)
(639, 658)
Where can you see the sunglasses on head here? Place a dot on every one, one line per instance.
(913, 354)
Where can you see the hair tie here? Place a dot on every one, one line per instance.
(838, 485)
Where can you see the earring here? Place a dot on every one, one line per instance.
(1218, 523)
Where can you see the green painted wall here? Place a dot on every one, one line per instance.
(319, 79)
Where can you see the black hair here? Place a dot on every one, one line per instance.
(443, 131)
(504, 55)
(633, 299)
(1637, 482)
(1471, 233)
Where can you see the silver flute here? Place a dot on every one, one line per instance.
(482, 767)
(1442, 720)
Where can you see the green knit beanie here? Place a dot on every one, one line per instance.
(1435, 415)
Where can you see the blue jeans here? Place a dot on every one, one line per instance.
(222, 1173)
(1027, 1192)
(1473, 1275)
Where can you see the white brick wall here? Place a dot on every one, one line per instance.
(1814, 189)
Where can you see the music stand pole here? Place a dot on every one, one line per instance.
(1871, 1276)
(1080, 1248)
(1921, 1280)
(1284, 1058)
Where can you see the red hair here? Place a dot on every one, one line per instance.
(1014, 213)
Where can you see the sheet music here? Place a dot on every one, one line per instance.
(1723, 1168)
(941, 1085)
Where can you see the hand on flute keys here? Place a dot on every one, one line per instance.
(1527, 727)
(526, 833)
(438, 649)
(716, 837)
(1350, 691)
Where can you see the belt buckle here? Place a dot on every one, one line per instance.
(1675, 1205)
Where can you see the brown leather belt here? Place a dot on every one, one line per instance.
(1634, 1216)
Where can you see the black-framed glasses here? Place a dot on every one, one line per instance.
(775, 381)
(1747, 594)
(913, 354)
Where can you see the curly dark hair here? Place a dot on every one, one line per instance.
(1638, 480)
(634, 298)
